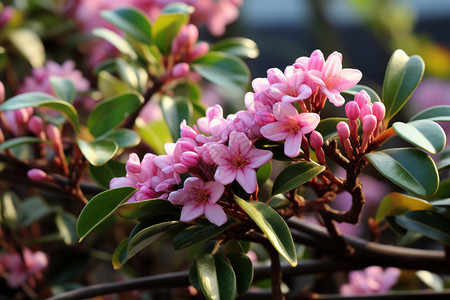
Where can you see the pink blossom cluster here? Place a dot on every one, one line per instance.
(219, 150)
(371, 280)
(20, 268)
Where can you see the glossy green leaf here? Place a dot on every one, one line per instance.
(410, 169)
(439, 113)
(124, 137)
(238, 46)
(112, 112)
(98, 152)
(104, 173)
(443, 191)
(174, 112)
(147, 208)
(397, 204)
(444, 161)
(392, 223)
(100, 208)
(178, 8)
(295, 175)
(116, 40)
(441, 203)
(120, 254)
(327, 127)
(278, 202)
(111, 86)
(28, 43)
(10, 209)
(427, 222)
(34, 209)
(424, 134)
(166, 27)
(264, 173)
(403, 74)
(132, 22)
(156, 134)
(243, 269)
(38, 99)
(223, 69)
(63, 88)
(14, 142)
(136, 77)
(198, 233)
(357, 88)
(273, 226)
(216, 277)
(66, 224)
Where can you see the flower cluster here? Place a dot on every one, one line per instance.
(371, 280)
(219, 150)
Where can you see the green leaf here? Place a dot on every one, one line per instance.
(397, 204)
(295, 175)
(357, 88)
(63, 87)
(156, 134)
(216, 277)
(238, 46)
(440, 113)
(14, 142)
(327, 127)
(131, 21)
(34, 209)
(264, 173)
(403, 74)
(424, 134)
(112, 112)
(427, 222)
(444, 161)
(104, 173)
(100, 208)
(178, 8)
(111, 86)
(410, 169)
(147, 208)
(116, 40)
(10, 209)
(124, 137)
(166, 27)
(174, 112)
(197, 233)
(391, 221)
(273, 226)
(135, 77)
(28, 43)
(98, 152)
(243, 269)
(38, 99)
(278, 202)
(223, 69)
(66, 224)
(120, 254)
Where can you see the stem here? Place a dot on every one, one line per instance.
(276, 274)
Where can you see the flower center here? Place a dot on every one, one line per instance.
(238, 161)
(293, 126)
(201, 197)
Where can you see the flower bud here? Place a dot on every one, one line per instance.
(133, 164)
(36, 126)
(274, 75)
(190, 158)
(192, 34)
(362, 98)
(343, 130)
(369, 124)
(352, 110)
(186, 131)
(180, 70)
(316, 61)
(365, 110)
(199, 50)
(37, 175)
(264, 117)
(316, 139)
(21, 115)
(379, 111)
(2, 92)
(53, 134)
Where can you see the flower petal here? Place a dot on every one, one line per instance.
(215, 190)
(292, 144)
(225, 175)
(258, 157)
(191, 212)
(308, 122)
(348, 78)
(246, 177)
(283, 110)
(220, 153)
(239, 143)
(215, 214)
(275, 131)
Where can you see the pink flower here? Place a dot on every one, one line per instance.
(288, 86)
(198, 198)
(290, 127)
(372, 280)
(238, 161)
(21, 268)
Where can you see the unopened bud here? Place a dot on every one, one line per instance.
(379, 111)
(199, 50)
(2, 92)
(316, 139)
(180, 70)
(343, 130)
(369, 124)
(36, 126)
(53, 134)
(352, 110)
(192, 34)
(316, 61)
(133, 164)
(37, 175)
(274, 75)
(190, 158)
(187, 131)
(362, 98)
(365, 110)
(22, 115)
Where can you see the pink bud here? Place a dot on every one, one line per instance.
(53, 134)
(316, 139)
(190, 158)
(379, 111)
(2, 92)
(352, 110)
(133, 164)
(37, 175)
(180, 70)
(192, 34)
(316, 61)
(369, 124)
(199, 50)
(362, 98)
(186, 131)
(213, 112)
(36, 125)
(274, 75)
(343, 130)
(264, 117)
(365, 110)
(22, 115)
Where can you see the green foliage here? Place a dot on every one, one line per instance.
(273, 226)
(175, 110)
(264, 173)
(397, 204)
(444, 161)
(439, 113)
(166, 27)
(237, 46)
(295, 175)
(357, 88)
(28, 43)
(411, 169)
(104, 173)
(10, 209)
(66, 224)
(14, 142)
(63, 88)
(117, 41)
(145, 209)
(156, 134)
(124, 137)
(98, 152)
(198, 233)
(424, 134)
(403, 74)
(327, 127)
(32, 210)
(243, 270)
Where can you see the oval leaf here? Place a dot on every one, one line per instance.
(427, 222)
(20, 141)
(440, 113)
(29, 45)
(156, 134)
(166, 27)
(63, 87)
(216, 277)
(444, 161)
(264, 173)
(238, 46)
(243, 269)
(66, 224)
(147, 208)
(100, 208)
(424, 134)
(120, 254)
(403, 74)
(397, 204)
(124, 137)
(132, 22)
(112, 112)
(197, 234)
(295, 175)
(116, 40)
(357, 88)
(174, 112)
(98, 152)
(104, 173)
(411, 169)
(273, 226)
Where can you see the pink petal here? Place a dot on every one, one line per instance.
(220, 153)
(215, 190)
(333, 65)
(215, 214)
(246, 177)
(118, 182)
(292, 144)
(333, 96)
(191, 212)
(178, 197)
(225, 175)
(239, 143)
(283, 110)
(258, 158)
(348, 78)
(275, 131)
(316, 76)
(260, 84)
(308, 122)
